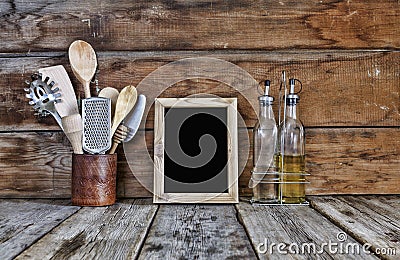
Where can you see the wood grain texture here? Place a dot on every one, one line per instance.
(289, 224)
(341, 161)
(37, 165)
(23, 222)
(353, 88)
(196, 232)
(366, 159)
(115, 232)
(136, 229)
(346, 53)
(370, 219)
(199, 25)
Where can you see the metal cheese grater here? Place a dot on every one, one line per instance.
(96, 116)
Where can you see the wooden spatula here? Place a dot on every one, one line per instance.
(68, 107)
(58, 74)
(125, 102)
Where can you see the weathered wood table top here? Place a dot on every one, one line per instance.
(339, 227)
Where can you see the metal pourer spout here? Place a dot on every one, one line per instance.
(292, 98)
(266, 98)
(267, 84)
(291, 83)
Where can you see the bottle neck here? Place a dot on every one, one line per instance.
(291, 111)
(266, 111)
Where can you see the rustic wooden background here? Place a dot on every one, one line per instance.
(345, 52)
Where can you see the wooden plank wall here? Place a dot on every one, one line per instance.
(345, 52)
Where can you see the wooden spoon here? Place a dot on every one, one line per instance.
(112, 94)
(126, 131)
(125, 102)
(83, 63)
(118, 137)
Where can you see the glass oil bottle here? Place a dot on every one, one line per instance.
(264, 178)
(292, 151)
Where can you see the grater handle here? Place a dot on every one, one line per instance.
(86, 88)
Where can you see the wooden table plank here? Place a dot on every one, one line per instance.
(373, 220)
(196, 232)
(301, 226)
(22, 222)
(114, 232)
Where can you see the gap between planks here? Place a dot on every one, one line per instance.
(197, 231)
(372, 220)
(281, 224)
(268, 226)
(139, 252)
(23, 222)
(184, 53)
(241, 222)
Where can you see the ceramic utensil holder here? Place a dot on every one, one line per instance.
(94, 179)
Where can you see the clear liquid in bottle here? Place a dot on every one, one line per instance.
(264, 176)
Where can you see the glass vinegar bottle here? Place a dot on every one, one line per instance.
(292, 156)
(264, 177)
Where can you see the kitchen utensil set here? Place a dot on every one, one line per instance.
(96, 111)
(93, 131)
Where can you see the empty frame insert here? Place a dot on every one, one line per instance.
(195, 150)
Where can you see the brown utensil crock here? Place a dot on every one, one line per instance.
(94, 179)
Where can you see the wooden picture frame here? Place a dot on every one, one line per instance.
(212, 190)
